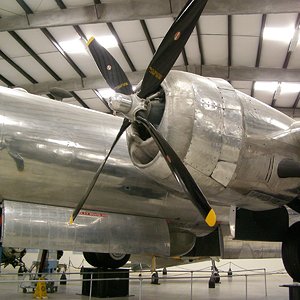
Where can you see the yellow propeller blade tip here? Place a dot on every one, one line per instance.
(211, 218)
(71, 221)
(90, 40)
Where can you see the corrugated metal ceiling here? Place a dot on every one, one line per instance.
(220, 44)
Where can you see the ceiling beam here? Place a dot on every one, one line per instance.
(291, 112)
(259, 48)
(33, 54)
(76, 84)
(79, 100)
(62, 52)
(148, 36)
(199, 40)
(228, 73)
(287, 60)
(140, 10)
(29, 12)
(6, 81)
(296, 101)
(229, 40)
(121, 46)
(18, 68)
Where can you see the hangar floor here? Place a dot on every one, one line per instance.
(177, 285)
(233, 289)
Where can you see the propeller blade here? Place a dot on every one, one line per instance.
(118, 81)
(181, 173)
(171, 46)
(76, 211)
(109, 68)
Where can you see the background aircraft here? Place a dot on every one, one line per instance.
(200, 131)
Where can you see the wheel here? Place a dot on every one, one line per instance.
(291, 251)
(106, 260)
(60, 253)
(24, 290)
(212, 282)
(217, 277)
(154, 278)
(91, 258)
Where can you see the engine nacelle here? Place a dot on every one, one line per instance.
(194, 122)
(93, 232)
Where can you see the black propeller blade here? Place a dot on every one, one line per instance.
(158, 69)
(180, 172)
(171, 46)
(109, 68)
(118, 81)
(76, 211)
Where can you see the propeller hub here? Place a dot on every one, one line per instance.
(120, 103)
(128, 105)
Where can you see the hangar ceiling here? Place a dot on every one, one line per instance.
(253, 44)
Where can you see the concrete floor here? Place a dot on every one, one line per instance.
(177, 285)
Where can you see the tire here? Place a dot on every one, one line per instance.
(106, 260)
(291, 251)
(217, 277)
(60, 253)
(91, 258)
(154, 278)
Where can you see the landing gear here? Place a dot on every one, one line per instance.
(291, 251)
(106, 260)
(215, 272)
(212, 282)
(154, 276)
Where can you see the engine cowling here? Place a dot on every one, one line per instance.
(193, 123)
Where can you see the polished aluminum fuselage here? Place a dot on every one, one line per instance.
(230, 142)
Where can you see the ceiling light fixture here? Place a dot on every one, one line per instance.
(295, 40)
(269, 86)
(290, 87)
(106, 93)
(281, 34)
(107, 41)
(75, 46)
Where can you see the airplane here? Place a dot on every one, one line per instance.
(198, 155)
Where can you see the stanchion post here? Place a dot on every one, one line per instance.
(91, 286)
(246, 277)
(266, 293)
(69, 266)
(192, 285)
(140, 291)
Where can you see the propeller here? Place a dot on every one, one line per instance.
(76, 211)
(171, 46)
(180, 172)
(109, 68)
(134, 106)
